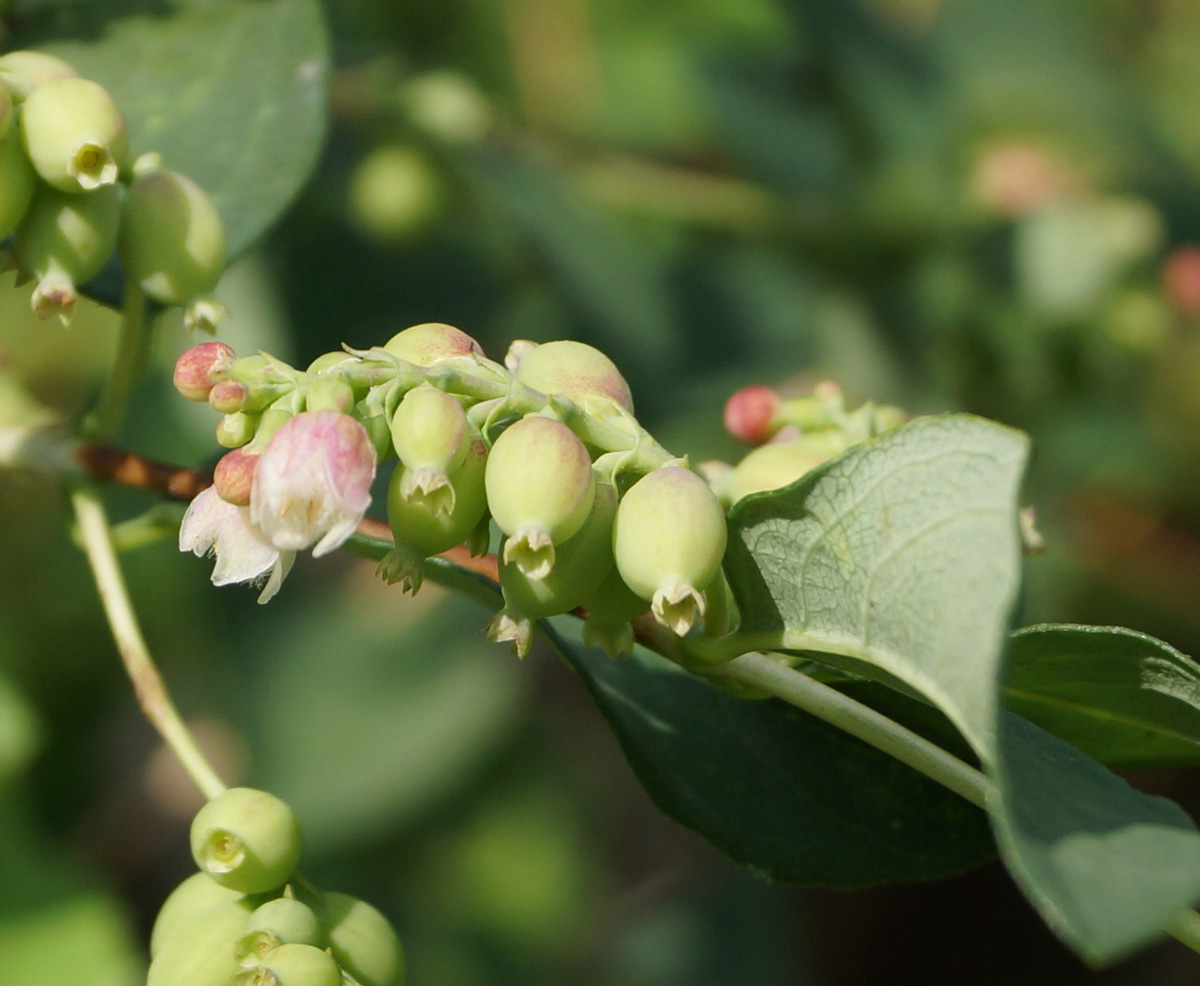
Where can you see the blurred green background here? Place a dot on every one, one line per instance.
(945, 204)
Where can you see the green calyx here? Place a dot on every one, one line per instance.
(172, 239)
(610, 609)
(74, 135)
(246, 840)
(668, 541)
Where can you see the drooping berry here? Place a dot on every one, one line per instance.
(172, 239)
(575, 369)
(668, 541)
(17, 181)
(539, 490)
(202, 367)
(429, 342)
(292, 965)
(581, 564)
(74, 135)
(247, 840)
(430, 435)
(64, 240)
(363, 941)
(192, 897)
(200, 951)
(420, 530)
(23, 71)
(282, 921)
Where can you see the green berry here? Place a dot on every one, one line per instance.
(580, 565)
(430, 435)
(778, 464)
(539, 490)
(431, 342)
(610, 608)
(74, 135)
(195, 895)
(420, 530)
(395, 193)
(200, 952)
(363, 942)
(293, 965)
(330, 393)
(172, 239)
(23, 71)
(283, 921)
(17, 182)
(246, 840)
(668, 541)
(573, 368)
(64, 240)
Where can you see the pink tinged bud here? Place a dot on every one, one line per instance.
(200, 368)
(575, 369)
(313, 483)
(1181, 279)
(430, 342)
(213, 526)
(750, 414)
(234, 476)
(228, 396)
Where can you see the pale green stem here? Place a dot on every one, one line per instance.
(133, 351)
(148, 684)
(1186, 929)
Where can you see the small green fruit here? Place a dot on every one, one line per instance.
(539, 490)
(363, 942)
(430, 435)
(194, 896)
(74, 135)
(283, 921)
(777, 464)
(573, 368)
(200, 952)
(395, 193)
(610, 608)
(172, 239)
(64, 240)
(293, 965)
(431, 342)
(23, 71)
(246, 840)
(17, 182)
(668, 541)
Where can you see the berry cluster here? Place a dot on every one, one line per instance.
(594, 513)
(247, 919)
(72, 196)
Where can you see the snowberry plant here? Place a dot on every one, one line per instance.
(856, 565)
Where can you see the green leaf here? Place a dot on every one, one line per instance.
(777, 790)
(230, 92)
(1107, 866)
(901, 559)
(1121, 696)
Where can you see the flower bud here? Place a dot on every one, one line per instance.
(363, 942)
(200, 952)
(234, 476)
(420, 530)
(202, 366)
(430, 435)
(229, 396)
(330, 393)
(246, 840)
(64, 240)
(292, 965)
(539, 490)
(430, 342)
(283, 921)
(575, 369)
(172, 239)
(23, 71)
(668, 540)
(192, 897)
(236, 429)
(750, 414)
(580, 565)
(17, 181)
(313, 483)
(610, 609)
(74, 135)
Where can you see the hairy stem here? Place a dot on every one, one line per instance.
(152, 695)
(133, 351)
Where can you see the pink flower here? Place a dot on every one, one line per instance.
(313, 482)
(213, 526)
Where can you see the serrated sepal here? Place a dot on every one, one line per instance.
(677, 607)
(532, 551)
(508, 626)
